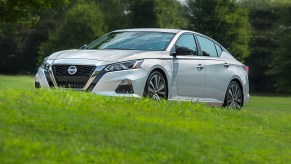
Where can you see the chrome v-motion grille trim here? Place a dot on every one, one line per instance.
(97, 70)
(52, 76)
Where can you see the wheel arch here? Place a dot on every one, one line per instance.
(163, 72)
(239, 82)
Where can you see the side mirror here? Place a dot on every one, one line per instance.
(84, 46)
(183, 51)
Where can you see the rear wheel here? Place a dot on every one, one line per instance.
(234, 97)
(156, 87)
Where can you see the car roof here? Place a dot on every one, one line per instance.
(158, 30)
(152, 30)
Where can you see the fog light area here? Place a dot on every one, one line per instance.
(125, 87)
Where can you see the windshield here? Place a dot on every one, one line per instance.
(142, 40)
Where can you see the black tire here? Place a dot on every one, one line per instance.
(233, 97)
(156, 87)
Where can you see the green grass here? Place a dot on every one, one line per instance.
(58, 126)
(270, 103)
(17, 82)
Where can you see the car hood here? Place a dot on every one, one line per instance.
(103, 55)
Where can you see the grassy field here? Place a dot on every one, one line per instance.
(58, 126)
(16, 82)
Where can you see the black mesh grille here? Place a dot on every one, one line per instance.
(78, 80)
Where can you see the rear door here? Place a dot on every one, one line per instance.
(217, 75)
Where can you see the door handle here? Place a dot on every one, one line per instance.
(226, 65)
(200, 67)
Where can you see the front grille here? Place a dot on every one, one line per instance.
(78, 80)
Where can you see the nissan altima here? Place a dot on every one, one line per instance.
(155, 63)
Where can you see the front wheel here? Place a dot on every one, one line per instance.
(234, 97)
(156, 86)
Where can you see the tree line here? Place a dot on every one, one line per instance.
(257, 33)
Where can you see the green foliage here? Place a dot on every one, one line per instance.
(82, 24)
(269, 60)
(156, 14)
(254, 5)
(23, 26)
(281, 61)
(19, 48)
(61, 126)
(16, 82)
(15, 12)
(263, 18)
(142, 13)
(223, 20)
(169, 16)
(116, 13)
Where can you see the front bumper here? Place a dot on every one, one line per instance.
(103, 83)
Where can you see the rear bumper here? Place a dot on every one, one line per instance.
(246, 99)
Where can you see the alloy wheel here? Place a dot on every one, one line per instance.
(234, 97)
(156, 87)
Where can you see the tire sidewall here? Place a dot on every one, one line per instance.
(226, 94)
(148, 80)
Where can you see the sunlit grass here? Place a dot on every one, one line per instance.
(17, 82)
(60, 126)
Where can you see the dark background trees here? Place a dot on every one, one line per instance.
(224, 21)
(156, 14)
(267, 60)
(82, 23)
(24, 25)
(263, 18)
(255, 32)
(280, 66)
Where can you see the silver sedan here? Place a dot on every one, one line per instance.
(156, 63)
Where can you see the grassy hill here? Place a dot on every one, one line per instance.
(59, 126)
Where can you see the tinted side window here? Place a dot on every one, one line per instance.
(218, 49)
(188, 41)
(207, 47)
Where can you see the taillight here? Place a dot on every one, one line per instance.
(246, 68)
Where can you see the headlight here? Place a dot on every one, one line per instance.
(45, 65)
(132, 64)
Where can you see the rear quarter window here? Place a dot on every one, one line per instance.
(218, 49)
(207, 47)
